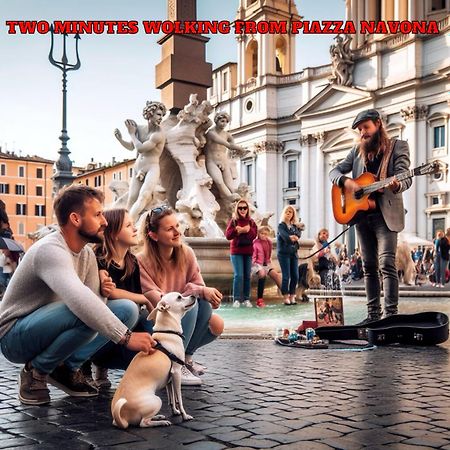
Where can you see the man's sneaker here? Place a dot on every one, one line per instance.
(260, 303)
(101, 378)
(195, 368)
(33, 388)
(71, 382)
(248, 304)
(236, 304)
(188, 378)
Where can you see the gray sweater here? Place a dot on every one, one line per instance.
(51, 272)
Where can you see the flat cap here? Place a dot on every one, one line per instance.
(368, 114)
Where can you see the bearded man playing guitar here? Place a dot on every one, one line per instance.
(384, 215)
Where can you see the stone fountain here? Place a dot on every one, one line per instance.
(198, 179)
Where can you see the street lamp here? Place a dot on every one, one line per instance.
(63, 174)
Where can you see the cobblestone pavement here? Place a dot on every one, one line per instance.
(259, 395)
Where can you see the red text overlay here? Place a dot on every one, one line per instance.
(221, 27)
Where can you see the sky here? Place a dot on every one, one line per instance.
(116, 76)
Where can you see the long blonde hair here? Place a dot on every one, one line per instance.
(236, 215)
(294, 219)
(151, 248)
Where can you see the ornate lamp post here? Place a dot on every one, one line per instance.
(63, 173)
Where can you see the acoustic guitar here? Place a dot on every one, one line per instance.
(348, 206)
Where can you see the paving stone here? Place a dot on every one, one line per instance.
(314, 432)
(108, 437)
(401, 446)
(432, 439)
(256, 443)
(232, 437)
(16, 442)
(373, 437)
(205, 445)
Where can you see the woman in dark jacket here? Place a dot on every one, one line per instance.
(288, 237)
(241, 231)
(444, 245)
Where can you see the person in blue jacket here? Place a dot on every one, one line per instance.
(288, 236)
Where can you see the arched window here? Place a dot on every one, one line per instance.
(251, 60)
(280, 56)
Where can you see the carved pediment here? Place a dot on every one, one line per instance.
(333, 98)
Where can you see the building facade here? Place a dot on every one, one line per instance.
(26, 190)
(101, 176)
(298, 125)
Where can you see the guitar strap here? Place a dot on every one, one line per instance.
(382, 171)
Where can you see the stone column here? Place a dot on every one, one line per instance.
(360, 16)
(306, 209)
(415, 132)
(412, 10)
(318, 184)
(351, 14)
(268, 177)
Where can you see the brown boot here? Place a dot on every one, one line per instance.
(33, 388)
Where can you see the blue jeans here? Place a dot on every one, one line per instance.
(53, 334)
(289, 273)
(378, 246)
(195, 325)
(440, 264)
(242, 265)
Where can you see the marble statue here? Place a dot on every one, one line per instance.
(198, 167)
(218, 162)
(148, 140)
(341, 61)
(195, 203)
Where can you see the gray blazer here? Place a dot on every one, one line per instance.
(391, 205)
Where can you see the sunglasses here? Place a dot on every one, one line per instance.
(242, 208)
(156, 211)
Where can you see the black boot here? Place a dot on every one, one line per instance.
(367, 320)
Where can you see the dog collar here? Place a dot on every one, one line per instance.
(170, 355)
(170, 332)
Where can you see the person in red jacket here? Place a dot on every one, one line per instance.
(241, 231)
(262, 263)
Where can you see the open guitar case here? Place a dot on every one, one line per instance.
(426, 328)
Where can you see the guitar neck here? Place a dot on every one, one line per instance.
(383, 183)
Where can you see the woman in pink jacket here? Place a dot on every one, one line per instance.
(169, 265)
(262, 263)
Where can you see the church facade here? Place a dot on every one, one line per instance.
(297, 125)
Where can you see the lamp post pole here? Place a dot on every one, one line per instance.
(63, 174)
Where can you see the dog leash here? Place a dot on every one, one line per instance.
(170, 355)
(328, 243)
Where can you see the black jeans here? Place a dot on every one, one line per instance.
(378, 246)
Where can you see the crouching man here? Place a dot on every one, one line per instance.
(52, 309)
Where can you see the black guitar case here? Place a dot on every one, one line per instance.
(426, 328)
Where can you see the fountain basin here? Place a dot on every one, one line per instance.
(213, 255)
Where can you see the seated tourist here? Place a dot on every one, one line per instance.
(52, 309)
(167, 264)
(120, 279)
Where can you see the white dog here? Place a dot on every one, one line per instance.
(135, 401)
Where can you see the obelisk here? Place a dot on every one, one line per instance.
(183, 69)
